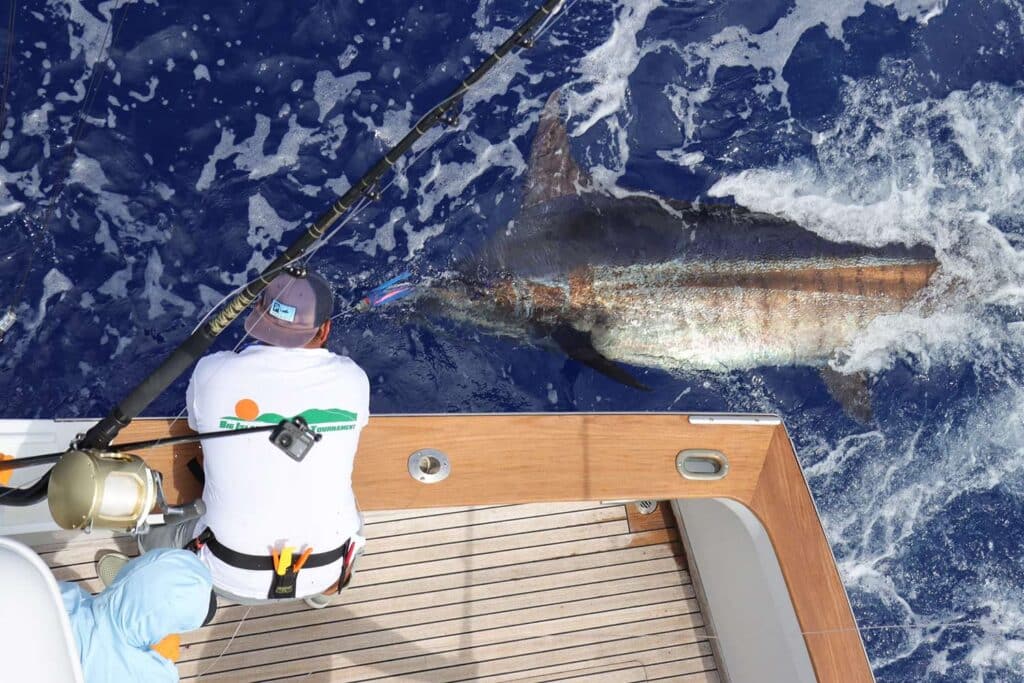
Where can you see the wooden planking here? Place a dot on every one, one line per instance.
(84, 550)
(601, 656)
(700, 677)
(498, 533)
(496, 594)
(675, 664)
(418, 582)
(370, 638)
(567, 595)
(471, 599)
(604, 538)
(625, 672)
(677, 661)
(422, 521)
(484, 548)
(445, 660)
(382, 516)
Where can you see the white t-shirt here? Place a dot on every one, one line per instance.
(257, 497)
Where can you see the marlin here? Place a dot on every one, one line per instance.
(656, 282)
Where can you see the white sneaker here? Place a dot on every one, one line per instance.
(318, 601)
(108, 567)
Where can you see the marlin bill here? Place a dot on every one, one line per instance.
(660, 283)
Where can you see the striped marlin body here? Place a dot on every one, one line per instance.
(667, 284)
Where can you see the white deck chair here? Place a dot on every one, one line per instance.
(36, 643)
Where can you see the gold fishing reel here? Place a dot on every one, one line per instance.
(102, 489)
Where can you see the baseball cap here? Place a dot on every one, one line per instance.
(291, 309)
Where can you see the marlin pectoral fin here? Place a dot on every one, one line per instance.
(579, 346)
(851, 391)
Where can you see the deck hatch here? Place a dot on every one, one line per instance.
(702, 464)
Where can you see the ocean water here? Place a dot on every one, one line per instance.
(208, 134)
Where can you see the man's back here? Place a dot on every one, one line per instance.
(257, 497)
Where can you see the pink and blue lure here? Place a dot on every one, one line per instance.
(394, 289)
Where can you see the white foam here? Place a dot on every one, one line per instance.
(446, 181)
(112, 208)
(346, 58)
(681, 157)
(384, 238)
(249, 154)
(417, 238)
(606, 69)
(884, 488)
(152, 83)
(86, 31)
(116, 286)
(201, 73)
(260, 165)
(328, 89)
(266, 229)
(163, 190)
(997, 648)
(768, 51)
(225, 147)
(55, 283)
(157, 294)
(36, 123)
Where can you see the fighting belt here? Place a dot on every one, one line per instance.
(284, 567)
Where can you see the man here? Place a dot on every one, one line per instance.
(129, 632)
(276, 527)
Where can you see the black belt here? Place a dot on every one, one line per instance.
(259, 562)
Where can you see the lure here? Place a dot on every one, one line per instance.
(394, 289)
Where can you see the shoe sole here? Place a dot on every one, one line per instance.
(109, 566)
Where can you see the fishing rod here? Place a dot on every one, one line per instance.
(189, 351)
(290, 435)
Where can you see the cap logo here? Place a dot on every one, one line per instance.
(282, 311)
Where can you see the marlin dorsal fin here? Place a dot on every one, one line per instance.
(552, 171)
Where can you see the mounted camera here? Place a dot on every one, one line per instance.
(294, 437)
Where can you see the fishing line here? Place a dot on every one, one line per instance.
(99, 73)
(924, 625)
(19, 487)
(984, 626)
(233, 635)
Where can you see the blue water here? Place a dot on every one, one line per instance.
(218, 129)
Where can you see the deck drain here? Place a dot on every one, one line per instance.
(646, 507)
(429, 466)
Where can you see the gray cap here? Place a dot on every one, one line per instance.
(291, 309)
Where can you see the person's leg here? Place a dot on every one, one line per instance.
(174, 535)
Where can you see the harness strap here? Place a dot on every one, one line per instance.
(259, 562)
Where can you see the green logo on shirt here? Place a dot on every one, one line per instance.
(319, 420)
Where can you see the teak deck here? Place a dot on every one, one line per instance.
(505, 459)
(558, 591)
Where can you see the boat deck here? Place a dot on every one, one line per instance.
(581, 592)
